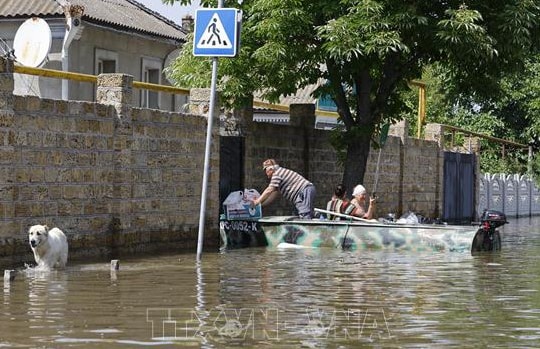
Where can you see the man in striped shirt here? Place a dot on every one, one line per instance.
(291, 185)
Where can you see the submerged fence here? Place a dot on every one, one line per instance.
(515, 195)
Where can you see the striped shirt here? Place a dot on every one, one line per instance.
(288, 182)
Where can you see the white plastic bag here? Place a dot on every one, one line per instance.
(235, 197)
(408, 218)
(251, 194)
(237, 205)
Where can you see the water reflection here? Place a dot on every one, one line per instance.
(285, 298)
(47, 293)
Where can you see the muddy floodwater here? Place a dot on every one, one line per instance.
(299, 298)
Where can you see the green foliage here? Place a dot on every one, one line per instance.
(190, 70)
(535, 167)
(508, 114)
(366, 51)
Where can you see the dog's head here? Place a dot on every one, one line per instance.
(37, 234)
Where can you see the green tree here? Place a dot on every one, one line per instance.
(481, 115)
(366, 51)
(510, 112)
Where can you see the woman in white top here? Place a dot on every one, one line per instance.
(359, 201)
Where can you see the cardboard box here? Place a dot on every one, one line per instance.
(237, 206)
(242, 211)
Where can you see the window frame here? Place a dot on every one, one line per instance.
(102, 55)
(148, 64)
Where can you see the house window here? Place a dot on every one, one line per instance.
(106, 66)
(106, 61)
(151, 72)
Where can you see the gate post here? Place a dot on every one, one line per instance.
(117, 90)
(303, 116)
(435, 132)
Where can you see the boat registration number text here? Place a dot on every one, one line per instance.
(239, 225)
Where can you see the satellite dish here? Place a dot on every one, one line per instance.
(32, 42)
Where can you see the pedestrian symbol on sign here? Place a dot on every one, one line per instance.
(214, 35)
(216, 32)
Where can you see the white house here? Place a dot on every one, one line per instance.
(93, 37)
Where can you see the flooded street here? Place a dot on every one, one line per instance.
(286, 299)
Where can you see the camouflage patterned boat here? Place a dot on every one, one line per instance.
(346, 234)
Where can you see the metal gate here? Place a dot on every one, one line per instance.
(459, 188)
(231, 168)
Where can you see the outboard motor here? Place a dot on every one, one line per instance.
(487, 238)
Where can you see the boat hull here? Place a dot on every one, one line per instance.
(347, 235)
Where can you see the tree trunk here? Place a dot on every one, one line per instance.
(356, 162)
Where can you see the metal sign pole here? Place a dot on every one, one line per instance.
(202, 212)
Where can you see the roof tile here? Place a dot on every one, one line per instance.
(126, 14)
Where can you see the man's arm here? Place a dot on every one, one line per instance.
(266, 194)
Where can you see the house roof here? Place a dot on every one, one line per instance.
(121, 14)
(302, 96)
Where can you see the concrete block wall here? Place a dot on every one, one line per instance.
(422, 178)
(410, 170)
(116, 179)
(515, 195)
(119, 179)
(389, 188)
(274, 141)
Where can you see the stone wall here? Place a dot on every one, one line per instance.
(410, 170)
(120, 180)
(116, 179)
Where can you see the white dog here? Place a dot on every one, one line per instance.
(50, 247)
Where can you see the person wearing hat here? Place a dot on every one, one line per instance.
(359, 202)
(293, 186)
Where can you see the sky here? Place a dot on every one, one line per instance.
(174, 12)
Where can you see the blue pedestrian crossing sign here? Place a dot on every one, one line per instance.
(216, 32)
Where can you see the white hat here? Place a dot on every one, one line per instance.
(359, 190)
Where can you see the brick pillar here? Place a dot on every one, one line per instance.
(401, 130)
(9, 155)
(435, 132)
(244, 118)
(199, 101)
(117, 90)
(6, 89)
(303, 117)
